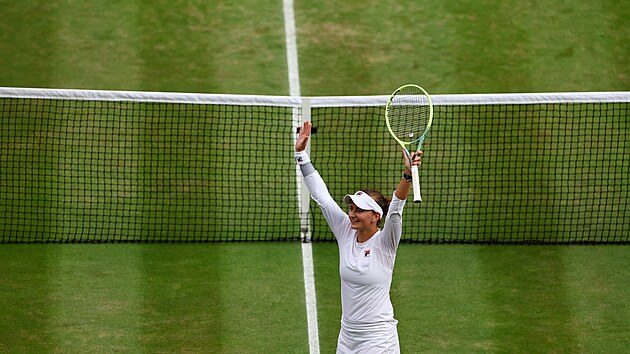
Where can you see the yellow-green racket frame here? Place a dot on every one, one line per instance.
(417, 197)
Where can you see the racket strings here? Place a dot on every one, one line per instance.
(409, 115)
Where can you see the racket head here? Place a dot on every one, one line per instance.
(409, 114)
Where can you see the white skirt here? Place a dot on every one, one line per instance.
(379, 338)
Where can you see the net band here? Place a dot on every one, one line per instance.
(324, 101)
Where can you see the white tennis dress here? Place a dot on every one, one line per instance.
(367, 321)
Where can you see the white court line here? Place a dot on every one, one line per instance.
(291, 44)
(311, 305)
(307, 253)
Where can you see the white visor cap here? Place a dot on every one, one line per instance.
(363, 201)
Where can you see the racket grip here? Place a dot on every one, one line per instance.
(415, 182)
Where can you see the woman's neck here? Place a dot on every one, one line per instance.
(365, 235)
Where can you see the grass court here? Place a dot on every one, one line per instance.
(249, 297)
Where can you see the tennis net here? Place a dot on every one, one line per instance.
(109, 166)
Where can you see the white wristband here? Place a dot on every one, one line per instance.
(301, 157)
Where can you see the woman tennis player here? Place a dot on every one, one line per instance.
(366, 254)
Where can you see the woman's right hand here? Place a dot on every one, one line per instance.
(304, 134)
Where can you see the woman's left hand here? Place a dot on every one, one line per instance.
(416, 159)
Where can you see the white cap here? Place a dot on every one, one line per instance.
(363, 201)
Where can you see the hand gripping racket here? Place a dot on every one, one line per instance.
(408, 114)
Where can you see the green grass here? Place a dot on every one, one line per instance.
(192, 46)
(463, 46)
(345, 49)
(152, 298)
(480, 299)
(238, 298)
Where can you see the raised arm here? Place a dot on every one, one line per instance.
(393, 226)
(337, 219)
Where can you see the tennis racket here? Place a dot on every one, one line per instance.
(408, 114)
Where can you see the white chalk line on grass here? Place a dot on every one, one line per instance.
(307, 252)
(291, 44)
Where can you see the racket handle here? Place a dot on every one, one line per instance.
(415, 182)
